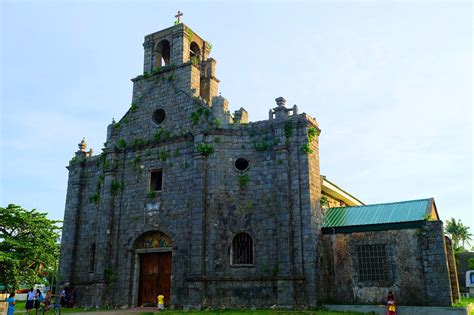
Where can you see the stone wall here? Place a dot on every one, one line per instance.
(416, 260)
(204, 203)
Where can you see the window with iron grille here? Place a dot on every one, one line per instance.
(242, 249)
(372, 262)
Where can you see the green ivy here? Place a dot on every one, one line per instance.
(176, 152)
(139, 143)
(209, 45)
(146, 75)
(312, 133)
(110, 275)
(288, 130)
(95, 198)
(305, 148)
(151, 194)
(100, 181)
(205, 148)
(190, 33)
(133, 107)
(117, 125)
(73, 160)
(163, 155)
(162, 134)
(171, 77)
(324, 201)
(121, 144)
(195, 118)
(116, 186)
(243, 180)
(261, 146)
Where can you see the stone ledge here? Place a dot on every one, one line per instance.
(401, 310)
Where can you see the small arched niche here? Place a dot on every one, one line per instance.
(194, 53)
(162, 53)
(153, 239)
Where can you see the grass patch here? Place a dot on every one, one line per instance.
(464, 302)
(256, 312)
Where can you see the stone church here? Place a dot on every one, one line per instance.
(193, 201)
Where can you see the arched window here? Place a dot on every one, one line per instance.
(92, 258)
(162, 53)
(194, 53)
(242, 249)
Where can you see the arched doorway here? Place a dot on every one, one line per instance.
(154, 256)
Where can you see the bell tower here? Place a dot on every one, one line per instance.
(179, 47)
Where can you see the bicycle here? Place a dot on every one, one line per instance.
(55, 307)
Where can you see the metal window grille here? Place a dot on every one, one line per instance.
(372, 262)
(242, 249)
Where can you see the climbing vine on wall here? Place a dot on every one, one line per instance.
(312, 134)
(205, 149)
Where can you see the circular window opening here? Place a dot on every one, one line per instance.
(241, 164)
(159, 116)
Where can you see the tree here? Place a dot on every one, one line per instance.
(458, 233)
(29, 245)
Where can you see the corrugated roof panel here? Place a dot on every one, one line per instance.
(405, 211)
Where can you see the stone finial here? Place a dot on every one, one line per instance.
(280, 101)
(83, 145)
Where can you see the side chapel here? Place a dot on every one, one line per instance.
(193, 201)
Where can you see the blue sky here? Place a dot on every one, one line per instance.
(390, 84)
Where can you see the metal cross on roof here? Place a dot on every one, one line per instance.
(178, 15)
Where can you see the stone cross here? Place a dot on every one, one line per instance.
(178, 15)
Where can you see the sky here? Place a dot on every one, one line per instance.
(390, 84)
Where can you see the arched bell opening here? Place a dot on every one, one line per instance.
(194, 53)
(162, 53)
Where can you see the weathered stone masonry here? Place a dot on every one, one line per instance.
(205, 200)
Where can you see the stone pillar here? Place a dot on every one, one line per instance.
(209, 83)
(180, 45)
(104, 232)
(148, 46)
(198, 233)
(435, 265)
(311, 214)
(71, 223)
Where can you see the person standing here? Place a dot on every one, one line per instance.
(38, 299)
(30, 299)
(161, 301)
(11, 303)
(391, 306)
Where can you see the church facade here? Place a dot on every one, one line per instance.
(197, 203)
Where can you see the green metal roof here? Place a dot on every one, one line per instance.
(385, 213)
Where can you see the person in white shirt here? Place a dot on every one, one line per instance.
(30, 299)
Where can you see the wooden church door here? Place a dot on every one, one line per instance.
(155, 277)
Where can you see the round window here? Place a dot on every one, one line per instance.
(241, 164)
(159, 116)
